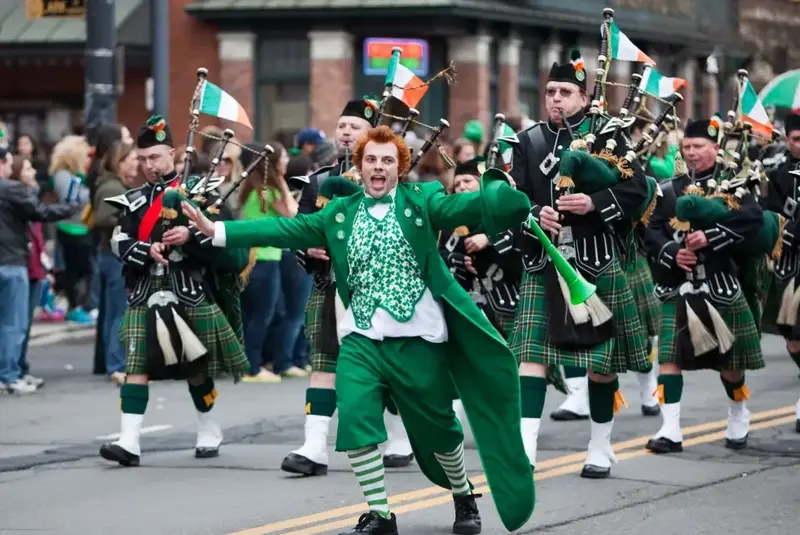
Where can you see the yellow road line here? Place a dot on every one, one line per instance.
(549, 464)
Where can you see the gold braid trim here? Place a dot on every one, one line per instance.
(648, 213)
(608, 156)
(461, 231)
(624, 169)
(213, 210)
(677, 224)
(244, 276)
(694, 190)
(322, 201)
(579, 144)
(777, 249)
(565, 182)
(169, 213)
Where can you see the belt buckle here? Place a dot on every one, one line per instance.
(565, 235)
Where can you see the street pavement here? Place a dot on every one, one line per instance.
(52, 480)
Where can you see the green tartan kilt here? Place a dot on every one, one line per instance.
(747, 354)
(320, 361)
(641, 282)
(225, 351)
(627, 350)
(769, 317)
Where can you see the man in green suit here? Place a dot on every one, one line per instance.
(410, 332)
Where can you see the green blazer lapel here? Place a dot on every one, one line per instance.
(338, 229)
(413, 219)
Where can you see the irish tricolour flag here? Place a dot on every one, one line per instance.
(623, 48)
(505, 145)
(214, 101)
(659, 85)
(753, 112)
(406, 86)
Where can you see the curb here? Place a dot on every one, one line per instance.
(58, 332)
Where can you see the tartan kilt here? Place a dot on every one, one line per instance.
(746, 354)
(627, 350)
(320, 361)
(641, 282)
(756, 280)
(772, 306)
(225, 350)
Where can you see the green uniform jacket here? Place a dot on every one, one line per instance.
(483, 369)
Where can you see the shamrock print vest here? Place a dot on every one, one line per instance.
(383, 271)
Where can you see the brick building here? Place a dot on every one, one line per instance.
(293, 63)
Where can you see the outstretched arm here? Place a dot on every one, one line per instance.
(466, 209)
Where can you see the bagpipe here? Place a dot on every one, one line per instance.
(174, 350)
(703, 340)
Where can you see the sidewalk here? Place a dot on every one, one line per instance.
(51, 332)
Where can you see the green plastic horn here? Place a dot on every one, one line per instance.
(580, 290)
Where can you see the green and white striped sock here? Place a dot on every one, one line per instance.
(456, 470)
(367, 464)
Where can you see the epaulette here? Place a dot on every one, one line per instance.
(531, 127)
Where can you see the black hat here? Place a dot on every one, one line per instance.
(572, 71)
(703, 129)
(791, 123)
(155, 132)
(360, 108)
(469, 168)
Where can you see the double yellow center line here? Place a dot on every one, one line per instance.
(344, 517)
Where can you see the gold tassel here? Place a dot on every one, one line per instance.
(680, 165)
(777, 250)
(619, 401)
(624, 169)
(659, 393)
(653, 353)
(447, 161)
(648, 213)
(199, 199)
(677, 224)
(169, 213)
(461, 231)
(694, 190)
(565, 182)
(244, 276)
(214, 210)
(609, 157)
(322, 201)
(579, 144)
(308, 408)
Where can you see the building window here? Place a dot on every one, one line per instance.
(283, 75)
(529, 80)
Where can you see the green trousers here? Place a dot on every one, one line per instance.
(412, 373)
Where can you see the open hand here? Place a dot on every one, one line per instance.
(318, 253)
(476, 243)
(696, 240)
(157, 253)
(548, 219)
(176, 236)
(686, 259)
(196, 217)
(577, 203)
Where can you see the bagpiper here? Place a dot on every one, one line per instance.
(590, 227)
(707, 322)
(783, 197)
(174, 327)
(410, 332)
(320, 404)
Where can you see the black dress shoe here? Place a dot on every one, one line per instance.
(118, 454)
(297, 464)
(468, 519)
(736, 443)
(664, 445)
(206, 453)
(563, 415)
(654, 410)
(591, 471)
(374, 524)
(397, 461)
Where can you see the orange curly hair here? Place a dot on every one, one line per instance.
(384, 134)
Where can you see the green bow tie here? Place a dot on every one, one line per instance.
(369, 202)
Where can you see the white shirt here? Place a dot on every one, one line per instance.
(428, 321)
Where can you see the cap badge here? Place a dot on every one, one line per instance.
(580, 75)
(160, 135)
(368, 112)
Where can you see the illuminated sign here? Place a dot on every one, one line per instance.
(37, 9)
(378, 50)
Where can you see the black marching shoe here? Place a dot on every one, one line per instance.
(655, 410)
(297, 464)
(206, 453)
(118, 454)
(468, 519)
(664, 445)
(736, 443)
(397, 461)
(374, 524)
(563, 415)
(591, 471)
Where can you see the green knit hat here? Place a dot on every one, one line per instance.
(473, 131)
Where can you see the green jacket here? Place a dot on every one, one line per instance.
(483, 369)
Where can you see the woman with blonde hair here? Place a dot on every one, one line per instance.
(118, 173)
(68, 165)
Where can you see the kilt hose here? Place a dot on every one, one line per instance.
(225, 351)
(626, 351)
(641, 282)
(320, 360)
(746, 355)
